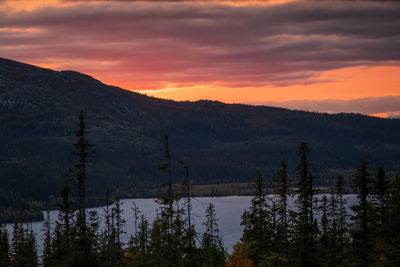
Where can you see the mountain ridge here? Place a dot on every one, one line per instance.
(220, 142)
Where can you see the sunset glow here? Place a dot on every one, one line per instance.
(343, 84)
(231, 51)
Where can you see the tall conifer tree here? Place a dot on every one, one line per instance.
(47, 253)
(306, 226)
(4, 247)
(362, 220)
(190, 232)
(381, 196)
(169, 245)
(394, 222)
(213, 253)
(257, 223)
(82, 149)
(280, 186)
(64, 234)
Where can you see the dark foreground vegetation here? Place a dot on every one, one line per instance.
(319, 232)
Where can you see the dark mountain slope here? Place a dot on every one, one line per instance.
(220, 142)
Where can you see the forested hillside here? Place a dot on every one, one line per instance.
(221, 143)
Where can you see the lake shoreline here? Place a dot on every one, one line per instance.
(208, 190)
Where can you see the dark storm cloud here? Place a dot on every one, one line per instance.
(187, 42)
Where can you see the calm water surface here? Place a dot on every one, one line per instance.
(228, 212)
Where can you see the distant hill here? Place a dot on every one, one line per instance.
(221, 143)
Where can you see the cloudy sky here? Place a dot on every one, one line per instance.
(331, 56)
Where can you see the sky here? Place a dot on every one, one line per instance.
(327, 56)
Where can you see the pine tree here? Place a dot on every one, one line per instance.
(139, 246)
(337, 225)
(325, 232)
(62, 251)
(157, 243)
(213, 253)
(17, 242)
(167, 201)
(106, 238)
(190, 232)
(30, 248)
(24, 253)
(132, 255)
(4, 247)
(381, 196)
(362, 219)
(280, 186)
(178, 237)
(93, 237)
(257, 223)
(136, 213)
(82, 150)
(143, 241)
(342, 215)
(169, 246)
(305, 223)
(47, 252)
(116, 231)
(394, 223)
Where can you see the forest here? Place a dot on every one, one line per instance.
(318, 232)
(222, 143)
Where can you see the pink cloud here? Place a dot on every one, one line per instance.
(183, 43)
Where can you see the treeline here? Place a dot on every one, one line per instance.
(77, 239)
(317, 232)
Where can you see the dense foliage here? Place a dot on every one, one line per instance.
(317, 232)
(273, 234)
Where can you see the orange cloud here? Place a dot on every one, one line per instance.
(386, 115)
(345, 84)
(28, 5)
(16, 29)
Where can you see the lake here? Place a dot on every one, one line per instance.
(228, 212)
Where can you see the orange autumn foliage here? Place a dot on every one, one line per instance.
(239, 257)
(237, 261)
